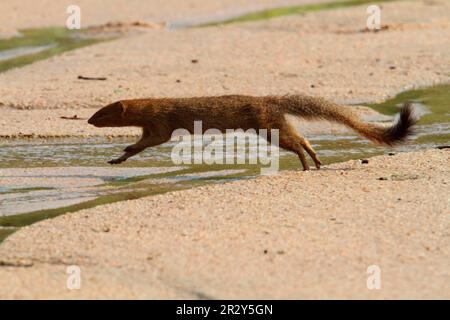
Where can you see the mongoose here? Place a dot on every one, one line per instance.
(160, 117)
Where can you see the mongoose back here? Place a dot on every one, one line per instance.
(160, 117)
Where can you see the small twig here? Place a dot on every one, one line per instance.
(75, 117)
(91, 78)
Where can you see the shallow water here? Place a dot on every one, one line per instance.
(22, 51)
(37, 44)
(280, 11)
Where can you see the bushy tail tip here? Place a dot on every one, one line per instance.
(402, 130)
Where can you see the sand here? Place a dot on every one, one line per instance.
(293, 235)
(323, 54)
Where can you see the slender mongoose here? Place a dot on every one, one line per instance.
(160, 117)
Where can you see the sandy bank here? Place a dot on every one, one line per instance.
(294, 235)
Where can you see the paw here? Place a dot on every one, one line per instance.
(116, 161)
(318, 163)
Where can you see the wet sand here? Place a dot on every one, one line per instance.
(293, 235)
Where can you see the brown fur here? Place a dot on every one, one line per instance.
(160, 117)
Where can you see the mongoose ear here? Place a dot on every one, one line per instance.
(123, 106)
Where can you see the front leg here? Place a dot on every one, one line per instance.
(139, 146)
(130, 151)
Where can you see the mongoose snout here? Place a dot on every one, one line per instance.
(109, 116)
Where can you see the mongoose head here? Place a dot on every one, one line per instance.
(113, 115)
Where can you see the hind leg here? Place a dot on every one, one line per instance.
(307, 146)
(301, 156)
(288, 142)
(291, 140)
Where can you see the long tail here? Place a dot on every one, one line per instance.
(318, 108)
